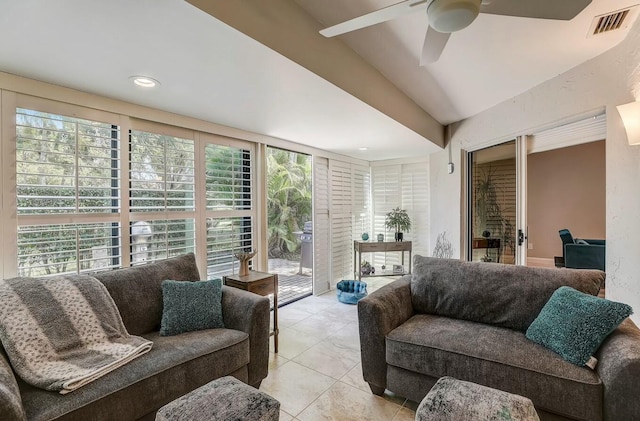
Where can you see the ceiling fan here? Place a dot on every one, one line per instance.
(447, 16)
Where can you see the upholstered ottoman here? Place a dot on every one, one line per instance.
(223, 399)
(456, 400)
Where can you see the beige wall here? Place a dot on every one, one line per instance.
(565, 189)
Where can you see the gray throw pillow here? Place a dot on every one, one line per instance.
(189, 306)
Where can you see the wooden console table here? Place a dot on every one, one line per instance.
(260, 283)
(360, 247)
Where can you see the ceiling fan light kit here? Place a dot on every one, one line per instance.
(448, 16)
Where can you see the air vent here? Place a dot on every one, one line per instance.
(613, 21)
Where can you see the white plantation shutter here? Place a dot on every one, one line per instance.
(65, 165)
(361, 192)
(415, 199)
(86, 201)
(405, 186)
(161, 194)
(67, 192)
(321, 235)
(386, 195)
(349, 200)
(229, 206)
(341, 220)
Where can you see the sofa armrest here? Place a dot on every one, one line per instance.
(10, 400)
(619, 369)
(378, 314)
(249, 312)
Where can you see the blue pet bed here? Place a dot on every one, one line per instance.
(350, 292)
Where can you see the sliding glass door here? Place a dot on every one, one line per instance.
(493, 204)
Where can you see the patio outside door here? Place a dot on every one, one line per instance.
(289, 222)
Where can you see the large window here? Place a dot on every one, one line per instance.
(230, 225)
(66, 170)
(87, 200)
(161, 196)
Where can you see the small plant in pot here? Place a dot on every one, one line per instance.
(399, 221)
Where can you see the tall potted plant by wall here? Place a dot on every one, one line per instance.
(399, 221)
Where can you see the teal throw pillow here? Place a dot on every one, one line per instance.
(189, 306)
(574, 324)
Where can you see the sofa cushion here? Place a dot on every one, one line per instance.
(574, 324)
(495, 357)
(137, 291)
(491, 293)
(175, 366)
(189, 306)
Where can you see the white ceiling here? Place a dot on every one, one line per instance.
(210, 71)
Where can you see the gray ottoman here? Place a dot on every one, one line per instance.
(456, 400)
(223, 399)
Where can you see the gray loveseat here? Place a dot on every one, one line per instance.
(468, 321)
(174, 366)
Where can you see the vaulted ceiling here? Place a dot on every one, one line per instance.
(263, 67)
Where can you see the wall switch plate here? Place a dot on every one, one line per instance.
(450, 167)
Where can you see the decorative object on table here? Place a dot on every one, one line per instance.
(398, 269)
(443, 248)
(365, 267)
(243, 258)
(380, 238)
(365, 234)
(486, 234)
(398, 220)
(350, 291)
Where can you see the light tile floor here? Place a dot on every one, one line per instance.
(316, 374)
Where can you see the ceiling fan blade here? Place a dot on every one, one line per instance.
(434, 43)
(373, 18)
(540, 9)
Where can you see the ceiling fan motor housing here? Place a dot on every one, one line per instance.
(452, 15)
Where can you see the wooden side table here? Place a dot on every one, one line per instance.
(260, 283)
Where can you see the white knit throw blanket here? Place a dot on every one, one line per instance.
(61, 333)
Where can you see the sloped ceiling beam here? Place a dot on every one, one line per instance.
(286, 28)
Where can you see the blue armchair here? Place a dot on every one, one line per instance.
(582, 254)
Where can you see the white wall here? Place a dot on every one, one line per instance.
(603, 82)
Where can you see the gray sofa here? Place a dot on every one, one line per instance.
(174, 366)
(468, 321)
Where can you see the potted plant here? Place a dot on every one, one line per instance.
(398, 220)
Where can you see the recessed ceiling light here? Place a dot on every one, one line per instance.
(363, 149)
(144, 81)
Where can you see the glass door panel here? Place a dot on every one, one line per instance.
(289, 227)
(493, 204)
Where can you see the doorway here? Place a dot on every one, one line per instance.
(522, 192)
(289, 226)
